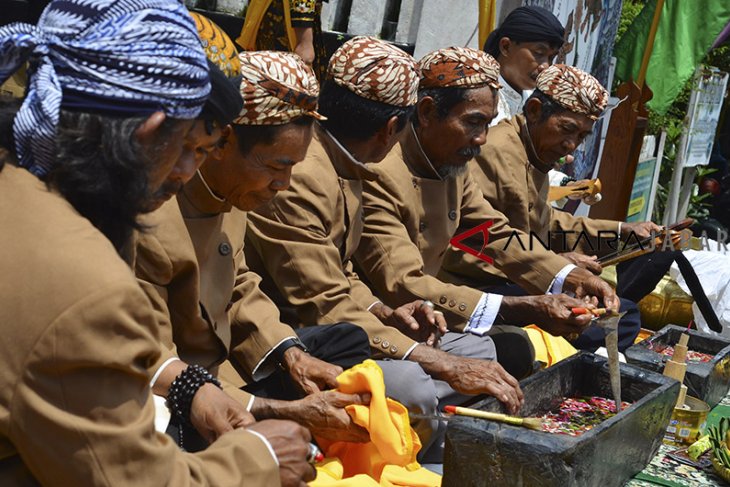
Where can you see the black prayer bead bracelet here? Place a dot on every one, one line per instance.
(182, 391)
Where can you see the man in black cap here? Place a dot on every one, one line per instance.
(524, 45)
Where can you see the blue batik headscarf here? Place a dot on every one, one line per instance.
(125, 58)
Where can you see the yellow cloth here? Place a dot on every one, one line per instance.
(389, 459)
(548, 348)
(254, 15)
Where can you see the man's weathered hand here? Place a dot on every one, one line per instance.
(325, 416)
(582, 283)
(309, 373)
(470, 376)
(552, 313)
(589, 262)
(476, 376)
(642, 230)
(213, 412)
(415, 320)
(323, 413)
(290, 442)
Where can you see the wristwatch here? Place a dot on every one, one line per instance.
(278, 353)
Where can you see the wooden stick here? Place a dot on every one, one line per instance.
(642, 247)
(531, 423)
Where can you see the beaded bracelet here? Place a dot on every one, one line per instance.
(566, 180)
(182, 391)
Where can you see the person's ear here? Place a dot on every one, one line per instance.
(504, 46)
(533, 111)
(146, 133)
(425, 111)
(387, 136)
(220, 147)
(391, 131)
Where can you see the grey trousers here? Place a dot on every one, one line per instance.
(409, 384)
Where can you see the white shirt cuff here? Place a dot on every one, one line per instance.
(556, 287)
(408, 352)
(162, 367)
(268, 445)
(484, 314)
(376, 302)
(250, 403)
(265, 368)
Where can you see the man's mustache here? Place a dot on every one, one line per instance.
(470, 152)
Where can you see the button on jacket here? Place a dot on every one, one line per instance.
(302, 241)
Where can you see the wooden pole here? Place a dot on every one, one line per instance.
(649, 44)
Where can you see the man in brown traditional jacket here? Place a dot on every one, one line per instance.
(192, 262)
(424, 196)
(304, 239)
(76, 345)
(512, 172)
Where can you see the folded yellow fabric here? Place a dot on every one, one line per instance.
(548, 348)
(389, 458)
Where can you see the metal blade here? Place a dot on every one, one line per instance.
(610, 324)
(431, 417)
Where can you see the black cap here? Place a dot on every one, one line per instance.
(527, 24)
(224, 102)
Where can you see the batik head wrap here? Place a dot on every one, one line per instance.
(123, 58)
(376, 70)
(219, 48)
(277, 87)
(574, 90)
(460, 67)
(527, 24)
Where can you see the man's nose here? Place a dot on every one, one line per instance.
(187, 165)
(480, 138)
(282, 181)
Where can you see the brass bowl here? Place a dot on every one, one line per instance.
(667, 304)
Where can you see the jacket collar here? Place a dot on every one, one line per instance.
(415, 158)
(346, 166)
(520, 125)
(197, 199)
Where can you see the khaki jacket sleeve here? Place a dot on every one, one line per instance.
(533, 269)
(596, 232)
(231, 384)
(292, 239)
(151, 264)
(84, 411)
(360, 291)
(255, 325)
(393, 263)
